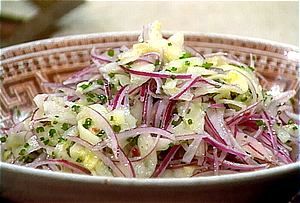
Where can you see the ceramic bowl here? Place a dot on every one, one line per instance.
(24, 67)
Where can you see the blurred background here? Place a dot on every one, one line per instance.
(29, 20)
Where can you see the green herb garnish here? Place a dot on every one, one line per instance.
(290, 122)
(85, 86)
(3, 139)
(65, 126)
(40, 129)
(176, 123)
(185, 55)
(52, 132)
(102, 98)
(46, 142)
(207, 65)
(187, 63)
(111, 75)
(169, 44)
(79, 160)
(190, 121)
(87, 124)
(173, 69)
(100, 82)
(22, 152)
(101, 133)
(259, 123)
(111, 52)
(116, 128)
(75, 108)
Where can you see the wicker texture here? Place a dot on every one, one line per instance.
(24, 67)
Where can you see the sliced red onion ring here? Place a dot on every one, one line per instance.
(271, 132)
(239, 166)
(241, 113)
(164, 164)
(119, 97)
(100, 58)
(185, 87)
(145, 130)
(127, 163)
(62, 162)
(190, 153)
(159, 113)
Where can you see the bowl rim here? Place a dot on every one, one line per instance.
(209, 180)
(204, 180)
(166, 33)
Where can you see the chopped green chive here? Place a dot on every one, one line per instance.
(90, 100)
(90, 94)
(65, 126)
(42, 138)
(290, 122)
(22, 152)
(295, 127)
(187, 63)
(100, 82)
(251, 68)
(3, 139)
(185, 55)
(259, 123)
(102, 98)
(52, 132)
(156, 62)
(75, 108)
(46, 142)
(26, 145)
(173, 69)
(79, 160)
(176, 123)
(111, 118)
(87, 124)
(190, 121)
(111, 75)
(101, 133)
(85, 86)
(169, 44)
(207, 65)
(53, 155)
(116, 128)
(40, 129)
(61, 139)
(111, 52)
(55, 122)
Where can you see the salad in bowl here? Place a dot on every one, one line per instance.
(158, 109)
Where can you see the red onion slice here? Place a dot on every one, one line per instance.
(145, 130)
(190, 153)
(100, 58)
(164, 164)
(119, 97)
(62, 162)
